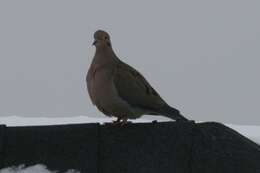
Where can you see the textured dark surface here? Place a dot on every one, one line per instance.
(167, 147)
(219, 149)
(2, 133)
(58, 147)
(139, 148)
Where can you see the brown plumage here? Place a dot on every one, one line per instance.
(119, 90)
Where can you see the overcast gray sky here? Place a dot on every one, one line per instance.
(202, 56)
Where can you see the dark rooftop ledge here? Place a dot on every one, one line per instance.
(134, 148)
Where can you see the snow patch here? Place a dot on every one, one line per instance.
(38, 121)
(38, 168)
(252, 132)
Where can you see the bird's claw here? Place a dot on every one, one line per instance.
(121, 121)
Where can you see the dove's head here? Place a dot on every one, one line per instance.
(101, 39)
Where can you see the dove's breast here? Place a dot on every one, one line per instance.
(104, 94)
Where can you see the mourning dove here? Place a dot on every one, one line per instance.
(119, 90)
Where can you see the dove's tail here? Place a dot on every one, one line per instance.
(172, 113)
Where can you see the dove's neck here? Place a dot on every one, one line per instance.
(104, 55)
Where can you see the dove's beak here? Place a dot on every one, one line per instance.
(95, 41)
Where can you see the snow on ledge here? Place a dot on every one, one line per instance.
(38, 121)
(252, 132)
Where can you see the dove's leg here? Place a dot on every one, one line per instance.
(124, 122)
(121, 121)
(118, 121)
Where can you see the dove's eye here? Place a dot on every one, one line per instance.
(106, 37)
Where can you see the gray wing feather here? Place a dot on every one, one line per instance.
(134, 88)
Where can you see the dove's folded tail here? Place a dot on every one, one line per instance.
(172, 113)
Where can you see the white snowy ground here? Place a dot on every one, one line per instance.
(252, 132)
(39, 168)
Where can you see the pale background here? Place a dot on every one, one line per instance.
(202, 56)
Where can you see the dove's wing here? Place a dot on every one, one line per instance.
(134, 89)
